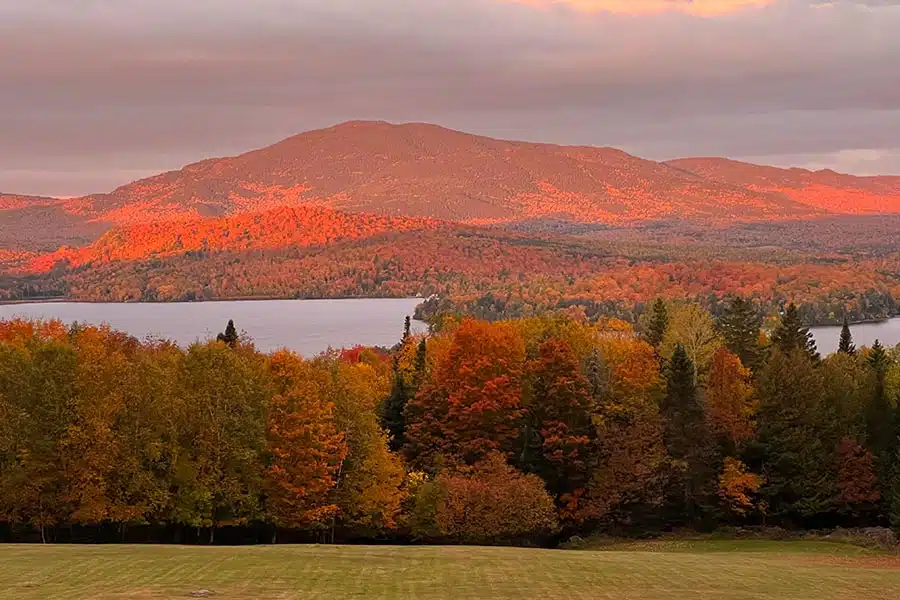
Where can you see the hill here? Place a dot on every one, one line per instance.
(827, 190)
(276, 228)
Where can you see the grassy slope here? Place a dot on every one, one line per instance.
(707, 571)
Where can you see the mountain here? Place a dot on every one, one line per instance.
(827, 190)
(39, 224)
(428, 171)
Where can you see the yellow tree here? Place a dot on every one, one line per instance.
(693, 328)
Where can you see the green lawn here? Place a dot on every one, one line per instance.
(700, 571)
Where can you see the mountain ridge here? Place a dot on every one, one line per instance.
(421, 170)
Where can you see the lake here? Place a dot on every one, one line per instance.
(311, 326)
(864, 334)
(305, 326)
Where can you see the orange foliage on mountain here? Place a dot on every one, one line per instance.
(429, 171)
(277, 228)
(827, 190)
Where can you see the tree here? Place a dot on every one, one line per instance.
(738, 486)
(657, 323)
(681, 409)
(368, 492)
(407, 333)
(740, 326)
(796, 446)
(694, 330)
(393, 411)
(491, 503)
(223, 422)
(230, 336)
(730, 403)
(880, 415)
(685, 436)
(791, 335)
(304, 446)
(557, 439)
(471, 404)
(857, 483)
(846, 345)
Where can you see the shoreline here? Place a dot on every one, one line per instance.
(238, 299)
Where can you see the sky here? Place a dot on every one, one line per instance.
(97, 93)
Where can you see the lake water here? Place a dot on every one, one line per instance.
(864, 334)
(305, 326)
(311, 326)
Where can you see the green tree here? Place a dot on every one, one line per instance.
(393, 410)
(407, 330)
(880, 417)
(656, 323)
(686, 436)
(740, 326)
(792, 335)
(230, 336)
(846, 345)
(796, 447)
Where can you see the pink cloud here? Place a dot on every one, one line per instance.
(706, 8)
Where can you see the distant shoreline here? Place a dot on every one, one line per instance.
(238, 299)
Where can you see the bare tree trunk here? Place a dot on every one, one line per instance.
(43, 536)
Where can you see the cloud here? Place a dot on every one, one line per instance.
(704, 8)
(95, 91)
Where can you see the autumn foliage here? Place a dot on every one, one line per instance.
(513, 431)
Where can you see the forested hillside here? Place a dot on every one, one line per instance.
(530, 429)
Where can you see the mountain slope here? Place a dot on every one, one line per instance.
(281, 227)
(834, 192)
(428, 171)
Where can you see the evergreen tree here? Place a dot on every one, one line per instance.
(740, 326)
(393, 411)
(846, 345)
(686, 438)
(421, 363)
(657, 323)
(880, 416)
(407, 325)
(796, 442)
(791, 335)
(230, 336)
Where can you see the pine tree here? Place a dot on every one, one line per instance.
(796, 443)
(791, 335)
(880, 416)
(681, 409)
(846, 345)
(230, 336)
(685, 436)
(393, 412)
(407, 326)
(657, 324)
(740, 326)
(421, 363)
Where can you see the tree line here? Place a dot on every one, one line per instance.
(531, 429)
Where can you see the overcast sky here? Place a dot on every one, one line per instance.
(96, 93)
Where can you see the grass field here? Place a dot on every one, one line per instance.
(716, 570)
